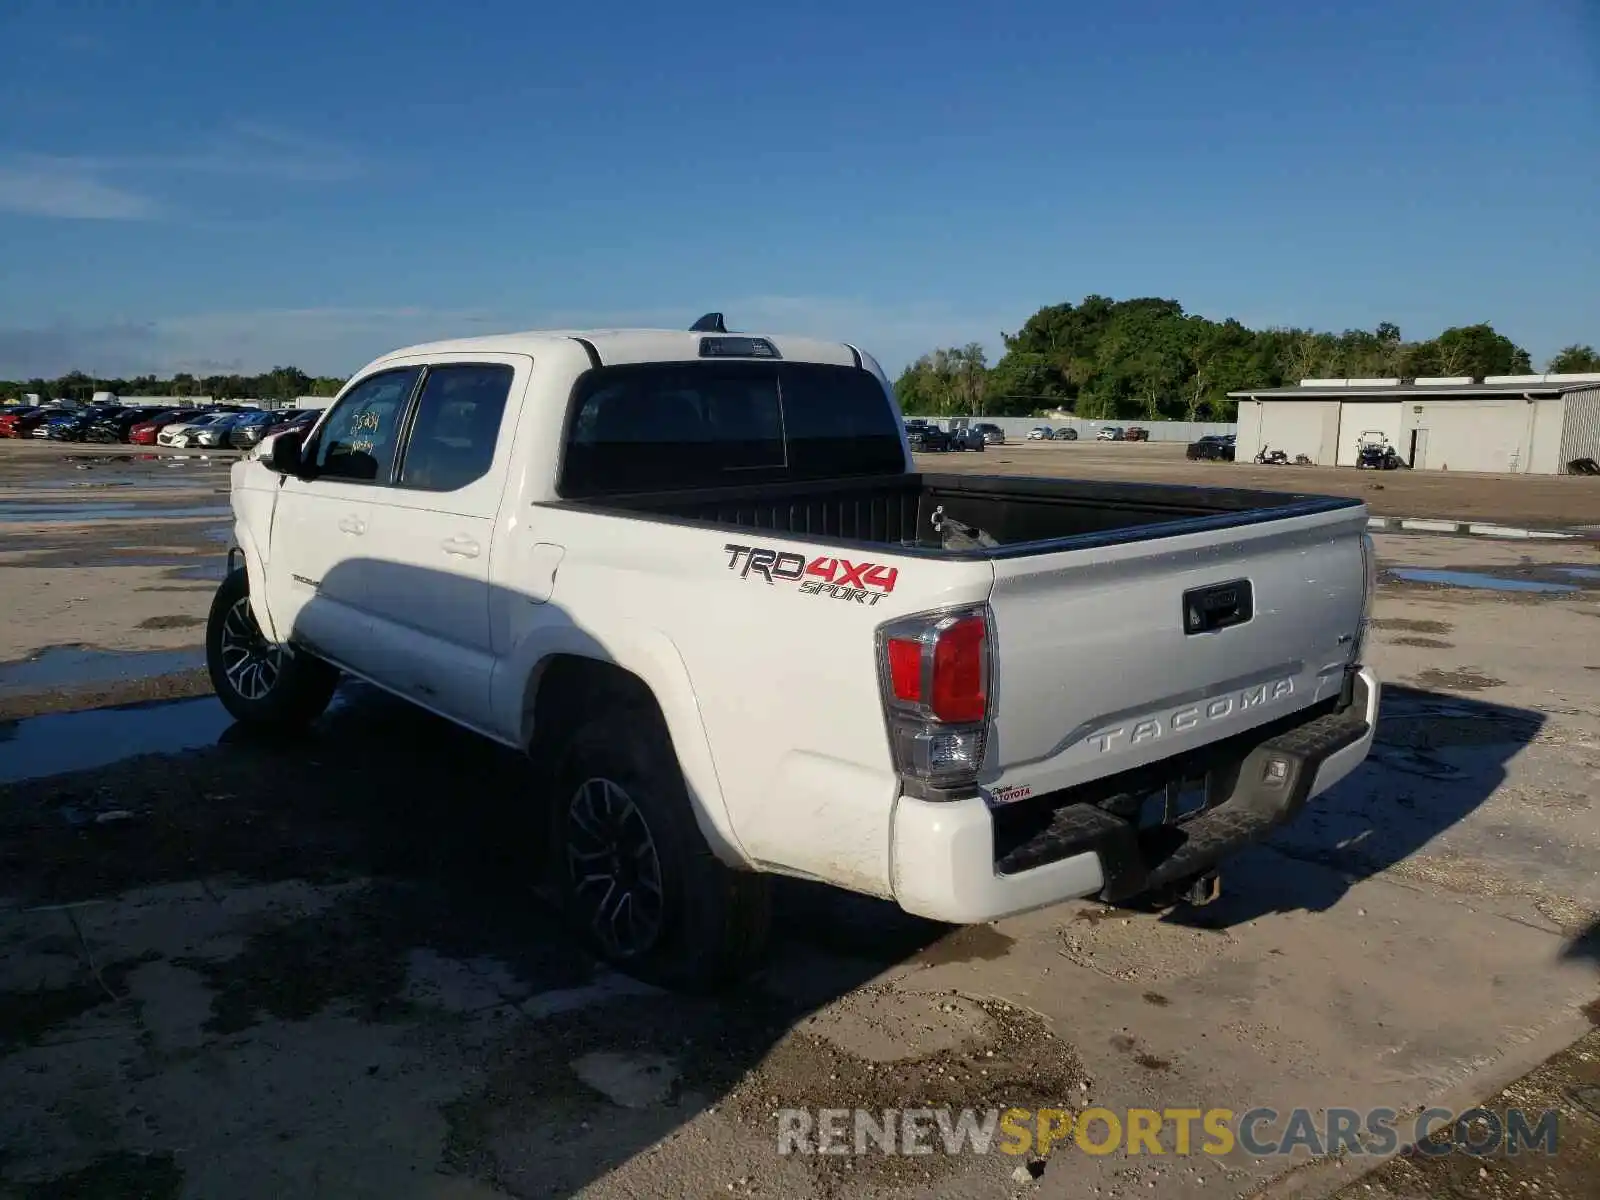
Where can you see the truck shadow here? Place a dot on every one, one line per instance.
(424, 842)
(1585, 947)
(1435, 760)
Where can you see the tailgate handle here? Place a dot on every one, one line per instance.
(1208, 609)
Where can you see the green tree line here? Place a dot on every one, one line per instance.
(280, 383)
(1148, 359)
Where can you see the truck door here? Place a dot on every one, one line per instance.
(427, 586)
(320, 546)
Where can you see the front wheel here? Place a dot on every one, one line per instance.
(261, 682)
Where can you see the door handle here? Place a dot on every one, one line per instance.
(462, 546)
(352, 525)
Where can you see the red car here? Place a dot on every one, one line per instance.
(20, 422)
(300, 424)
(144, 433)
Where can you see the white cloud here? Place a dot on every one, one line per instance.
(68, 188)
(119, 187)
(336, 341)
(255, 150)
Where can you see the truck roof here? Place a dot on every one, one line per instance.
(614, 346)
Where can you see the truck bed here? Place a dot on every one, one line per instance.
(1020, 515)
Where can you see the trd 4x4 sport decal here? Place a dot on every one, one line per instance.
(865, 582)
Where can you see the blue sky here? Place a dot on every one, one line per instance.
(225, 187)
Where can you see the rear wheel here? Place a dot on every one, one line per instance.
(639, 883)
(261, 682)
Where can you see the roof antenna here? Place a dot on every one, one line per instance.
(710, 323)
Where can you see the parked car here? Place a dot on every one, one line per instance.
(250, 428)
(1041, 433)
(993, 435)
(805, 674)
(19, 420)
(117, 426)
(214, 434)
(180, 433)
(65, 425)
(302, 421)
(1136, 433)
(1068, 434)
(926, 437)
(144, 433)
(967, 437)
(1109, 433)
(1212, 446)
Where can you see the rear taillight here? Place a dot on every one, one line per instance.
(935, 675)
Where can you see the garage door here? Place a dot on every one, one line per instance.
(1295, 427)
(1472, 437)
(1357, 419)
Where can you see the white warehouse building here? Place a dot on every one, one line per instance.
(1523, 424)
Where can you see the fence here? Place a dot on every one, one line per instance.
(1016, 428)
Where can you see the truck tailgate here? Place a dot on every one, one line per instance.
(1118, 656)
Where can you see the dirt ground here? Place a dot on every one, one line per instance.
(103, 547)
(1539, 501)
(1568, 1084)
(323, 966)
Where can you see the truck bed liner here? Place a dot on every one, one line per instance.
(1023, 515)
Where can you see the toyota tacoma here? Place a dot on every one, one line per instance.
(698, 580)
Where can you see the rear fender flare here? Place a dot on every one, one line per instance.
(650, 656)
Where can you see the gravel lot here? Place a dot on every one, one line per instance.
(1540, 501)
(235, 967)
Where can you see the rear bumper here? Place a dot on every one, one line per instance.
(949, 862)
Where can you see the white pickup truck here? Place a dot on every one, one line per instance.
(699, 579)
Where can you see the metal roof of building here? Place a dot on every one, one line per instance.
(1361, 389)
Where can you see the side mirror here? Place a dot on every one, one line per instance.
(282, 451)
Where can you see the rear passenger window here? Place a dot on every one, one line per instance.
(458, 422)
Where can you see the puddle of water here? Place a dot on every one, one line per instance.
(91, 511)
(61, 742)
(71, 666)
(95, 459)
(1472, 579)
(1581, 572)
(155, 482)
(56, 743)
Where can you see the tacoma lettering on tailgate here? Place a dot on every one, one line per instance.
(1191, 716)
(839, 578)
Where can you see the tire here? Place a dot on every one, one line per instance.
(297, 686)
(707, 924)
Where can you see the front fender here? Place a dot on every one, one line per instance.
(255, 569)
(254, 500)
